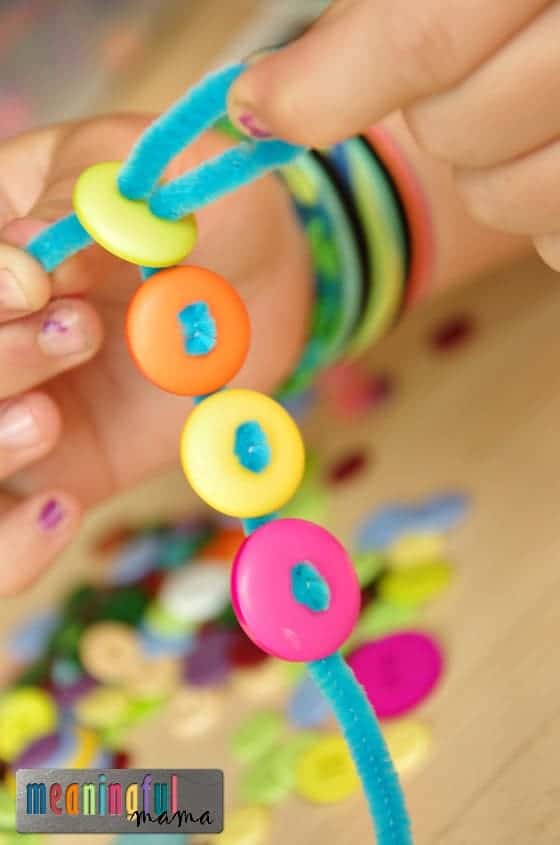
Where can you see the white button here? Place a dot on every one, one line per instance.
(197, 593)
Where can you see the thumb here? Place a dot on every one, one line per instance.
(363, 59)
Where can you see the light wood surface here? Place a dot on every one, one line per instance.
(482, 419)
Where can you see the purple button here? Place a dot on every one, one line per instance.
(209, 662)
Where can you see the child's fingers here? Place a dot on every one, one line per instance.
(24, 165)
(502, 111)
(548, 247)
(521, 196)
(37, 348)
(29, 428)
(32, 534)
(366, 58)
(24, 285)
(45, 194)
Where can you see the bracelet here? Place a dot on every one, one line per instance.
(415, 209)
(385, 236)
(294, 588)
(337, 262)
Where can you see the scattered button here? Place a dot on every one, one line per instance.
(110, 652)
(452, 333)
(256, 735)
(398, 671)
(409, 743)
(416, 585)
(417, 548)
(326, 773)
(248, 825)
(103, 708)
(196, 593)
(379, 618)
(308, 707)
(25, 714)
(208, 664)
(348, 467)
(193, 712)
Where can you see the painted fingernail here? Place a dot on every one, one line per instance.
(12, 297)
(62, 333)
(253, 126)
(51, 515)
(18, 427)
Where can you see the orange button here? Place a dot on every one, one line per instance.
(224, 546)
(158, 338)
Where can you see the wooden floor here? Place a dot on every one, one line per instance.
(484, 420)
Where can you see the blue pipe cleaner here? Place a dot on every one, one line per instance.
(174, 130)
(221, 175)
(199, 328)
(362, 733)
(148, 272)
(253, 522)
(251, 446)
(309, 587)
(54, 245)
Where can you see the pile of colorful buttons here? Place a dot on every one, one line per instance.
(156, 632)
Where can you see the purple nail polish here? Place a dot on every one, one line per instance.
(253, 126)
(53, 326)
(51, 515)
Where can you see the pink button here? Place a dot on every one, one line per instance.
(261, 587)
(397, 671)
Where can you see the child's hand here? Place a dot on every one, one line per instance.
(77, 421)
(477, 80)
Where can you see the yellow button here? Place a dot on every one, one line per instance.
(416, 585)
(155, 678)
(193, 712)
(26, 713)
(213, 469)
(416, 548)
(87, 748)
(245, 826)
(127, 228)
(326, 772)
(265, 680)
(409, 744)
(110, 652)
(103, 707)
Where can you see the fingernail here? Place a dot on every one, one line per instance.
(12, 297)
(62, 333)
(51, 515)
(261, 53)
(22, 230)
(252, 125)
(18, 427)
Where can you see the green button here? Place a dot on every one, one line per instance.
(415, 585)
(268, 781)
(256, 735)
(127, 228)
(381, 617)
(368, 565)
(7, 810)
